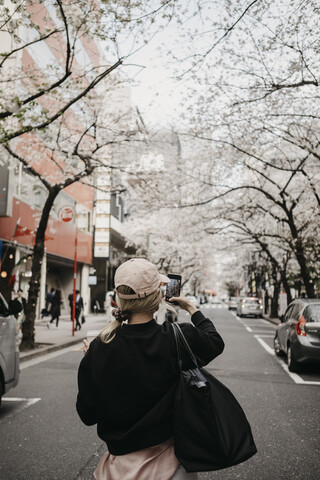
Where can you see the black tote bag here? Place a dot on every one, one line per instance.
(211, 430)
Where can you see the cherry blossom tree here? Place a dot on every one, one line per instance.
(51, 120)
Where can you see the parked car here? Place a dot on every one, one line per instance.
(249, 306)
(233, 303)
(9, 349)
(298, 335)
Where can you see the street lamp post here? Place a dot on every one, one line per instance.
(66, 214)
(74, 278)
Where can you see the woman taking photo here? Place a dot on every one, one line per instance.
(128, 375)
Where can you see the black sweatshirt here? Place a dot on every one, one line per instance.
(127, 386)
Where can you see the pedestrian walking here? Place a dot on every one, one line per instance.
(110, 304)
(78, 309)
(56, 307)
(22, 315)
(70, 300)
(128, 376)
(46, 311)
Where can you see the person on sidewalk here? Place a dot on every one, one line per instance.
(46, 311)
(55, 307)
(127, 378)
(79, 308)
(70, 300)
(110, 304)
(20, 317)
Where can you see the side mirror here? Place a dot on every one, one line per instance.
(15, 307)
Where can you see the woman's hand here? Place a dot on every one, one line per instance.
(184, 303)
(85, 346)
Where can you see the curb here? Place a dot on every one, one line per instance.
(43, 351)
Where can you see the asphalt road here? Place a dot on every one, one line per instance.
(41, 436)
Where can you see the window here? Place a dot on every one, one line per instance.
(297, 310)
(312, 313)
(288, 313)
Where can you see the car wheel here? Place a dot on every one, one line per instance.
(293, 365)
(276, 346)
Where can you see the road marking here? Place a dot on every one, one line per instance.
(24, 403)
(30, 401)
(265, 345)
(242, 323)
(294, 376)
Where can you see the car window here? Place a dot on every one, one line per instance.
(252, 301)
(312, 313)
(288, 312)
(297, 310)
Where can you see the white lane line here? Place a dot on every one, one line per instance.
(30, 401)
(23, 404)
(242, 323)
(265, 345)
(294, 376)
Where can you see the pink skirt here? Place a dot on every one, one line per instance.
(153, 463)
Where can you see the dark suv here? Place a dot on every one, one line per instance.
(298, 335)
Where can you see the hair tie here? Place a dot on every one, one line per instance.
(121, 315)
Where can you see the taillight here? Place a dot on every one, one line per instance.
(301, 326)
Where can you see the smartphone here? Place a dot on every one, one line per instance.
(173, 287)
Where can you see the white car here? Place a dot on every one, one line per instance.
(9, 349)
(250, 306)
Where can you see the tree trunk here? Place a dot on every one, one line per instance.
(305, 273)
(286, 286)
(276, 292)
(299, 252)
(34, 284)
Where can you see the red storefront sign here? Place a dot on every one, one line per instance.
(66, 214)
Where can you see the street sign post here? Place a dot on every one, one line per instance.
(67, 214)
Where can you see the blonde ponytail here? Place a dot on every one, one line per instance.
(127, 307)
(109, 332)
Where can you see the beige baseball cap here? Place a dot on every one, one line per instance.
(140, 275)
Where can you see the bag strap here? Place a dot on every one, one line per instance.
(179, 337)
(176, 338)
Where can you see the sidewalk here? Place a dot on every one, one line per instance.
(51, 339)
